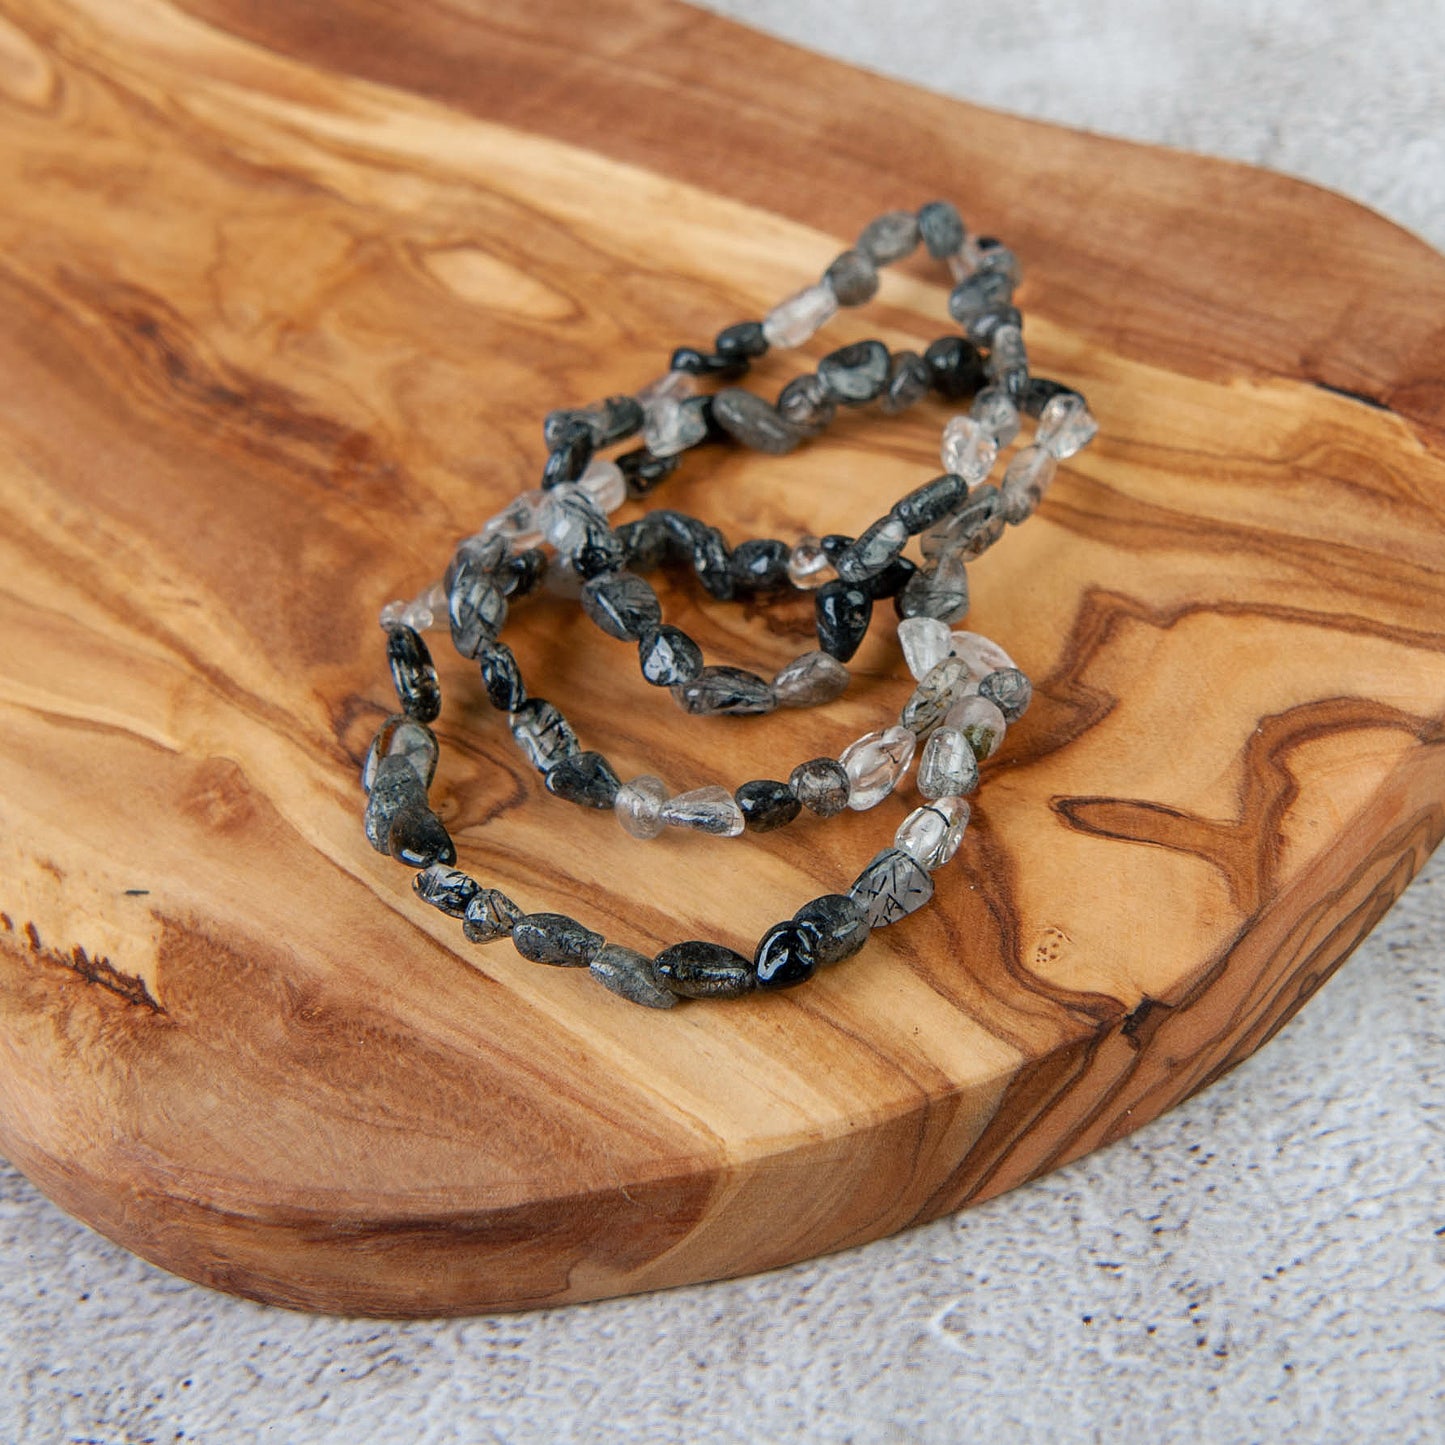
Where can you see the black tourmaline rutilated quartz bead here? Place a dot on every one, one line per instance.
(401, 736)
(569, 455)
(767, 804)
(744, 339)
(843, 611)
(784, 956)
(644, 472)
(838, 925)
(489, 916)
(448, 889)
(543, 733)
(555, 938)
(418, 838)
(501, 677)
(622, 604)
(857, 373)
(584, 778)
(395, 785)
(413, 674)
(821, 785)
(931, 502)
(956, 366)
(612, 420)
(761, 565)
(630, 975)
(668, 656)
(726, 692)
(698, 969)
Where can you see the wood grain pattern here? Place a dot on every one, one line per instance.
(287, 288)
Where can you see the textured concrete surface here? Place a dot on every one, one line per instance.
(1266, 1262)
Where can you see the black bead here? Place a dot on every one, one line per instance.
(843, 613)
(622, 604)
(501, 677)
(698, 969)
(956, 366)
(612, 420)
(726, 692)
(838, 925)
(784, 957)
(931, 502)
(555, 938)
(643, 471)
(1010, 690)
(856, 373)
(716, 431)
(645, 544)
(744, 340)
(584, 778)
(668, 656)
(713, 564)
(806, 404)
(891, 580)
(521, 574)
(703, 363)
(760, 564)
(835, 544)
(767, 804)
(569, 455)
(448, 889)
(1040, 392)
(600, 553)
(395, 786)
(418, 839)
(412, 673)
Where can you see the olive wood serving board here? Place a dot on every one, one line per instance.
(286, 288)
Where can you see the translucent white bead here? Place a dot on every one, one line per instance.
(1065, 426)
(931, 834)
(994, 410)
(875, 763)
(933, 697)
(982, 654)
(968, 450)
(639, 806)
(1025, 482)
(707, 810)
(792, 321)
(980, 721)
(926, 642)
(811, 679)
(670, 386)
(567, 517)
(517, 521)
(948, 766)
(423, 610)
(808, 564)
(604, 483)
(392, 613)
(672, 427)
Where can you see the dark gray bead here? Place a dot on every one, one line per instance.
(873, 550)
(601, 553)
(806, 404)
(448, 889)
(412, 673)
(695, 362)
(712, 561)
(784, 956)
(893, 885)
(856, 373)
(956, 367)
(698, 969)
(621, 604)
(744, 339)
(668, 656)
(643, 472)
(1010, 689)
(978, 293)
(555, 938)
(1040, 392)
(941, 229)
(481, 553)
(853, 277)
(726, 692)
(981, 329)
(520, 575)
(909, 377)
(395, 785)
(569, 455)
(476, 609)
(501, 677)
(890, 237)
(971, 529)
(747, 418)
(843, 611)
(761, 564)
(834, 545)
(630, 975)
(418, 838)
(821, 785)
(489, 915)
(401, 736)
(585, 778)
(767, 804)
(645, 543)
(931, 503)
(940, 591)
(612, 420)
(891, 580)
(542, 733)
(838, 924)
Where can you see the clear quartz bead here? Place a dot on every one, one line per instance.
(810, 679)
(392, 613)
(670, 386)
(604, 484)
(672, 427)
(808, 564)
(1025, 482)
(926, 642)
(933, 697)
(792, 321)
(981, 654)
(1065, 426)
(875, 763)
(995, 411)
(517, 521)
(968, 450)
(567, 517)
(931, 834)
(711, 810)
(948, 765)
(638, 805)
(980, 721)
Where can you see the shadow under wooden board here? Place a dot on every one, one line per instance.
(286, 290)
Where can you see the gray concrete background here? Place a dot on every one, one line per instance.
(1268, 1261)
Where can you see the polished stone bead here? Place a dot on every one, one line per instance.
(698, 969)
(982, 654)
(806, 404)
(612, 420)
(401, 736)
(395, 785)
(955, 368)
(668, 656)
(584, 778)
(891, 580)
(413, 674)
(749, 419)
(941, 228)
(968, 449)
(638, 805)
(810, 679)
(925, 642)
(706, 363)
(875, 763)
(981, 328)
(793, 320)
(909, 378)
(517, 521)
(489, 916)
(476, 610)
(604, 485)
(569, 455)
(760, 565)
(948, 766)
(987, 253)
(971, 530)
(934, 695)
(711, 809)
(1010, 690)
(567, 516)
(874, 550)
(673, 426)
(555, 938)
(630, 975)
(543, 734)
(929, 504)
(621, 604)
(838, 926)
(767, 804)
(1025, 481)
(642, 472)
(521, 574)
(601, 554)
(981, 721)
(939, 591)
(931, 835)
(726, 692)
(1065, 425)
(743, 339)
(481, 552)
(808, 564)
(670, 386)
(713, 563)
(418, 838)
(856, 373)
(646, 543)
(835, 544)
(448, 889)
(784, 956)
(890, 237)
(1040, 392)
(892, 886)
(1008, 360)
(853, 277)
(843, 612)
(978, 293)
(821, 785)
(502, 678)
(994, 410)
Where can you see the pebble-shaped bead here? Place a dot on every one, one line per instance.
(981, 721)
(418, 838)
(521, 574)
(948, 766)
(569, 456)
(584, 778)
(489, 916)
(712, 561)
(808, 564)
(988, 254)
(622, 604)
(644, 473)
(822, 786)
(668, 656)
(981, 654)
(611, 420)
(566, 516)
(941, 229)
(954, 366)
(604, 484)
(413, 674)
(1025, 481)
(968, 450)
(706, 363)
(939, 591)
(891, 580)
(393, 614)
(1040, 392)
(980, 292)
(767, 804)
(760, 564)
(784, 956)
(931, 835)
(448, 889)
(403, 737)
(556, 939)
(909, 379)
(842, 613)
(853, 277)
(743, 339)
(875, 763)
(1010, 689)
(543, 734)
(395, 785)
(856, 373)
(749, 419)
(1008, 360)
(929, 504)
(725, 692)
(711, 809)
(796, 318)
(1065, 425)
(698, 969)
(810, 679)
(934, 695)
(926, 642)
(889, 237)
(629, 974)
(878, 545)
(673, 426)
(638, 805)
(970, 531)
(893, 885)
(517, 521)
(806, 404)
(838, 924)
(994, 410)
(980, 330)
(671, 386)
(501, 677)
(476, 611)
